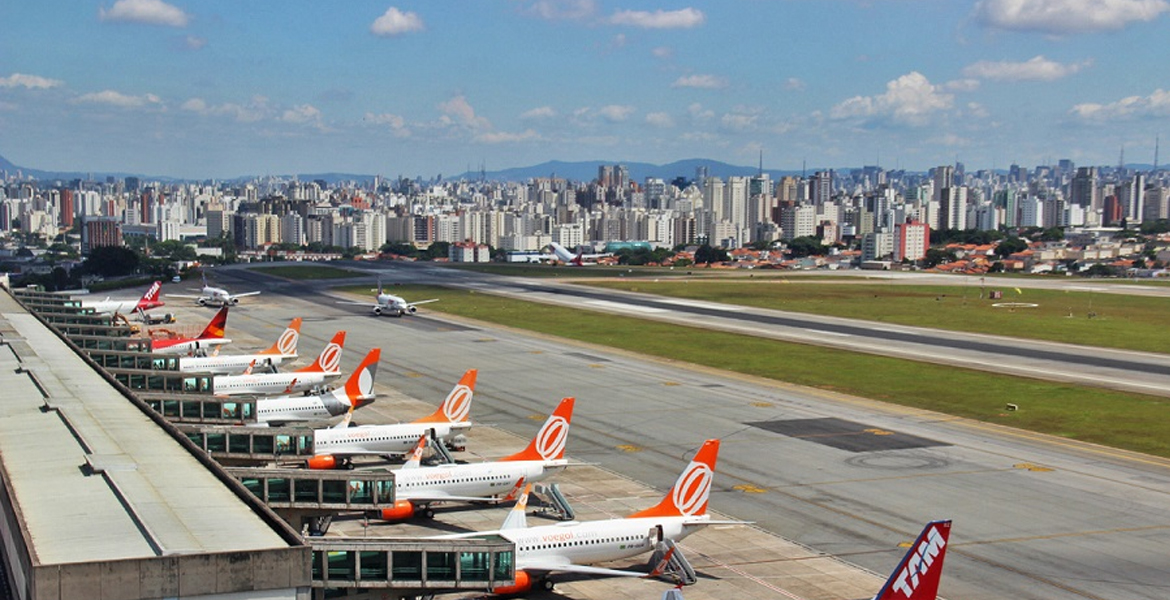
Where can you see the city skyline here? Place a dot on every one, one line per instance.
(223, 90)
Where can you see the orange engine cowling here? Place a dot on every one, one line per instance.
(323, 462)
(401, 511)
(524, 583)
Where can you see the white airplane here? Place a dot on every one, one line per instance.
(164, 341)
(148, 301)
(357, 392)
(325, 368)
(214, 296)
(416, 488)
(563, 255)
(334, 447)
(234, 364)
(389, 304)
(575, 546)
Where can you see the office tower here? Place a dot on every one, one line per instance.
(911, 240)
(1083, 189)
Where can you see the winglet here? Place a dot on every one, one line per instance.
(345, 421)
(217, 325)
(329, 361)
(457, 406)
(515, 491)
(516, 518)
(286, 344)
(359, 388)
(416, 455)
(917, 576)
(549, 443)
(150, 299)
(689, 495)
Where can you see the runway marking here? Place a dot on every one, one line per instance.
(536, 351)
(484, 340)
(1033, 468)
(537, 417)
(741, 573)
(413, 374)
(596, 366)
(629, 448)
(877, 431)
(671, 383)
(622, 307)
(748, 488)
(763, 404)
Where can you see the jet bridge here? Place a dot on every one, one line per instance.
(251, 446)
(309, 499)
(195, 408)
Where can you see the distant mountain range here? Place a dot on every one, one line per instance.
(577, 171)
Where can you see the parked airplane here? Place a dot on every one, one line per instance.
(326, 367)
(573, 547)
(335, 447)
(215, 296)
(148, 301)
(357, 392)
(210, 337)
(390, 304)
(575, 260)
(234, 364)
(416, 488)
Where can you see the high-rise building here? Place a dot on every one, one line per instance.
(911, 240)
(1083, 190)
(97, 233)
(67, 208)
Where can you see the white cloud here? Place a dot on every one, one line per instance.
(192, 42)
(504, 137)
(909, 100)
(740, 121)
(1034, 69)
(794, 84)
(662, 52)
(1058, 17)
(697, 111)
(112, 98)
(685, 18)
(978, 111)
(305, 113)
(1156, 105)
(561, 10)
(616, 112)
(660, 119)
(706, 82)
(32, 82)
(254, 111)
(395, 123)
(459, 111)
(395, 22)
(149, 12)
(961, 85)
(541, 112)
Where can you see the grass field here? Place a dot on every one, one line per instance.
(1130, 421)
(309, 272)
(1117, 321)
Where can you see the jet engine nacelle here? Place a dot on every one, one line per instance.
(202, 302)
(401, 511)
(378, 311)
(523, 585)
(324, 462)
(412, 309)
(234, 301)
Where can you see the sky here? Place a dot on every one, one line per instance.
(224, 88)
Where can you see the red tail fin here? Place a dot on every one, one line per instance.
(286, 344)
(217, 325)
(330, 359)
(359, 388)
(917, 576)
(549, 443)
(457, 406)
(150, 300)
(689, 495)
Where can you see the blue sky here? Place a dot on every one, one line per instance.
(223, 88)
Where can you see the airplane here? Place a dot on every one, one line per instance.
(210, 337)
(285, 347)
(334, 448)
(563, 255)
(416, 488)
(574, 547)
(209, 294)
(357, 392)
(390, 304)
(148, 301)
(326, 367)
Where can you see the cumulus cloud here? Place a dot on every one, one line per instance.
(395, 22)
(113, 98)
(909, 100)
(697, 111)
(305, 113)
(1156, 105)
(795, 85)
(459, 111)
(541, 112)
(193, 42)
(1035, 69)
(560, 10)
(615, 113)
(741, 120)
(255, 110)
(961, 85)
(660, 119)
(1058, 17)
(32, 82)
(706, 82)
(662, 52)
(685, 18)
(149, 12)
(395, 123)
(505, 137)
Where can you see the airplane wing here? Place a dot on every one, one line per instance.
(440, 497)
(422, 302)
(184, 296)
(547, 566)
(243, 295)
(370, 304)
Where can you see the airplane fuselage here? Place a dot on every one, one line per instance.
(269, 383)
(229, 365)
(164, 346)
(285, 409)
(591, 542)
(477, 480)
(378, 439)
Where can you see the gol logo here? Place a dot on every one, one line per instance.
(330, 359)
(287, 344)
(691, 489)
(550, 441)
(458, 404)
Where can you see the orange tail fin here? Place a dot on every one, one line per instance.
(457, 406)
(549, 443)
(689, 495)
(359, 388)
(330, 359)
(217, 325)
(286, 344)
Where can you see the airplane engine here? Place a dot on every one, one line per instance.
(202, 302)
(377, 311)
(324, 462)
(412, 309)
(524, 584)
(402, 510)
(235, 301)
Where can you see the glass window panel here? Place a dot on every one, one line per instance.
(361, 492)
(306, 490)
(475, 566)
(254, 485)
(504, 567)
(385, 491)
(170, 408)
(333, 491)
(318, 559)
(283, 444)
(373, 566)
(278, 490)
(441, 566)
(216, 442)
(262, 444)
(191, 409)
(211, 410)
(238, 444)
(341, 565)
(407, 565)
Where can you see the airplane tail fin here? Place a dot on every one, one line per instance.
(457, 406)
(359, 388)
(549, 443)
(689, 495)
(415, 458)
(150, 299)
(516, 518)
(917, 576)
(286, 344)
(217, 325)
(329, 361)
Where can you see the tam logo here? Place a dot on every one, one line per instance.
(920, 563)
(693, 486)
(550, 442)
(458, 404)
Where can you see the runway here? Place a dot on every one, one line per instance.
(1036, 517)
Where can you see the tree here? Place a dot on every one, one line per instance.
(806, 246)
(937, 256)
(111, 261)
(1052, 234)
(1010, 246)
(709, 254)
